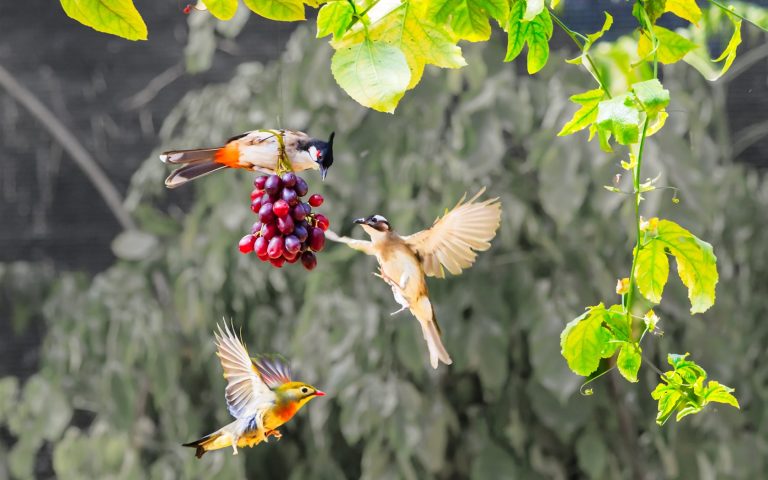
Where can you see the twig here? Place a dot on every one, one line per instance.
(73, 147)
(148, 93)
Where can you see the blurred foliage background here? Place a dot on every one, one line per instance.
(128, 370)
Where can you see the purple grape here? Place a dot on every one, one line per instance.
(292, 244)
(265, 213)
(309, 260)
(256, 205)
(260, 181)
(289, 179)
(260, 246)
(301, 187)
(298, 213)
(289, 195)
(301, 232)
(269, 230)
(256, 228)
(272, 185)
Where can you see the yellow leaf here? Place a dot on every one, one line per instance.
(686, 9)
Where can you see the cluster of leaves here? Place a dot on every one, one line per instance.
(630, 117)
(128, 354)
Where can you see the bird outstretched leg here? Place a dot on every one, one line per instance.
(234, 444)
(397, 291)
(273, 433)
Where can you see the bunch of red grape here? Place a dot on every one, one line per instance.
(287, 230)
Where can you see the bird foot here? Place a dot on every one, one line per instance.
(272, 433)
(402, 309)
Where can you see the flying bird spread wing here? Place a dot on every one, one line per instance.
(454, 239)
(246, 392)
(273, 370)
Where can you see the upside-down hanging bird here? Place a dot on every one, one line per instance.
(451, 244)
(260, 395)
(257, 150)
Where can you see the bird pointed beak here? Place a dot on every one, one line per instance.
(319, 393)
(323, 173)
(361, 221)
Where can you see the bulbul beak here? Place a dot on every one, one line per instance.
(319, 393)
(323, 172)
(361, 221)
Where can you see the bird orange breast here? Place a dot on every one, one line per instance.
(286, 411)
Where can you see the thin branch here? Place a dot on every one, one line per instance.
(73, 147)
(148, 93)
(728, 10)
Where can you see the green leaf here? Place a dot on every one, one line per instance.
(672, 46)
(117, 17)
(419, 38)
(682, 390)
(686, 9)
(701, 61)
(469, 18)
(334, 18)
(715, 392)
(222, 9)
(280, 10)
(651, 95)
(629, 360)
(584, 339)
(587, 114)
(375, 74)
(535, 33)
(696, 263)
(618, 117)
(652, 270)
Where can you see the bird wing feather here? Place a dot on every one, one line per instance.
(246, 392)
(453, 240)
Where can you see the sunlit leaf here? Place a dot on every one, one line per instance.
(334, 18)
(696, 263)
(651, 95)
(118, 17)
(618, 119)
(583, 340)
(701, 62)
(629, 360)
(221, 9)
(532, 9)
(535, 34)
(686, 9)
(652, 270)
(281, 10)
(375, 74)
(587, 114)
(469, 19)
(672, 46)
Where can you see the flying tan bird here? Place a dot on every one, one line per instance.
(260, 395)
(450, 244)
(257, 150)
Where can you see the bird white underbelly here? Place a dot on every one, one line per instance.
(264, 156)
(402, 269)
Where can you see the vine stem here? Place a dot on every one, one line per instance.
(636, 181)
(580, 40)
(728, 10)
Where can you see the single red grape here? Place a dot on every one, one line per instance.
(256, 194)
(246, 244)
(260, 181)
(273, 184)
(285, 225)
(322, 221)
(316, 239)
(281, 208)
(256, 206)
(316, 200)
(269, 230)
(293, 259)
(260, 247)
(292, 244)
(275, 247)
(309, 260)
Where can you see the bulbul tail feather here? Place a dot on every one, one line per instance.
(179, 157)
(192, 171)
(426, 316)
(202, 444)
